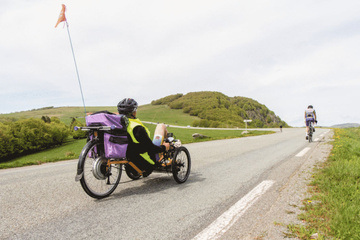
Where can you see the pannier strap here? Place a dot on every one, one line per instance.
(118, 140)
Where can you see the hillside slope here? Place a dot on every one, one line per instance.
(218, 110)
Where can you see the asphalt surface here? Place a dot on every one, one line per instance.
(44, 202)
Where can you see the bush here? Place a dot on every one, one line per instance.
(59, 132)
(195, 112)
(187, 109)
(176, 105)
(215, 124)
(167, 100)
(46, 119)
(77, 134)
(8, 143)
(30, 135)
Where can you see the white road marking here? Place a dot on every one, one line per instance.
(316, 139)
(302, 153)
(228, 218)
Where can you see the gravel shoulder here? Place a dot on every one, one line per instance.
(284, 211)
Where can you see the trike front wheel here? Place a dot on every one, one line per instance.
(181, 165)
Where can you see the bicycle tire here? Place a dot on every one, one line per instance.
(97, 180)
(310, 133)
(181, 165)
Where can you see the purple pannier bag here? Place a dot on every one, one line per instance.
(115, 141)
(115, 146)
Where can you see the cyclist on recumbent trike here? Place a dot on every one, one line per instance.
(117, 141)
(141, 150)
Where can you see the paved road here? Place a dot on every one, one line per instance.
(44, 202)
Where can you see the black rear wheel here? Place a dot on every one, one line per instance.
(98, 180)
(181, 164)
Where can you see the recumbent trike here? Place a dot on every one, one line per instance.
(104, 156)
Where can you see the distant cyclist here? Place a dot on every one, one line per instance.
(310, 116)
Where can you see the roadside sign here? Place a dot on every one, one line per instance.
(246, 121)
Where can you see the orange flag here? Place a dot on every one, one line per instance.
(62, 17)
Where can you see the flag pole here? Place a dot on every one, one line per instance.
(62, 18)
(77, 72)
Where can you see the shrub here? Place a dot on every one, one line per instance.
(187, 109)
(30, 135)
(59, 132)
(195, 112)
(8, 143)
(176, 105)
(215, 124)
(46, 119)
(77, 134)
(167, 100)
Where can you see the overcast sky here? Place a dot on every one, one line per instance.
(283, 54)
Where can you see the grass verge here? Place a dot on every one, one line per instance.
(333, 210)
(72, 148)
(69, 150)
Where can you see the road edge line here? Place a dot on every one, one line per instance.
(223, 223)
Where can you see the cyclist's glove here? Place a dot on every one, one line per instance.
(163, 148)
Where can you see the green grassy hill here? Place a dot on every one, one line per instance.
(218, 110)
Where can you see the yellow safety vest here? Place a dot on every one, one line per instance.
(130, 129)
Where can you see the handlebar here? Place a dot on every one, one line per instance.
(169, 140)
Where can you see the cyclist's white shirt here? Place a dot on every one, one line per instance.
(309, 113)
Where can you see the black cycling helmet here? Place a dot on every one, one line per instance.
(127, 106)
(310, 106)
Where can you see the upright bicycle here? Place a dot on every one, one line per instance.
(311, 131)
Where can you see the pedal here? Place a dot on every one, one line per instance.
(167, 163)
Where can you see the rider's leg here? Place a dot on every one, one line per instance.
(307, 129)
(160, 131)
(313, 125)
(159, 136)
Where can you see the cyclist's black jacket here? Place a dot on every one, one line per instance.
(145, 145)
